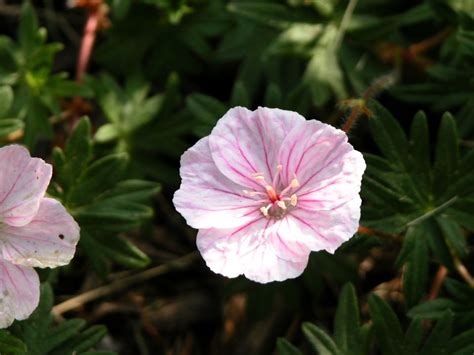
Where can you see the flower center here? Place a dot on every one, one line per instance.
(275, 203)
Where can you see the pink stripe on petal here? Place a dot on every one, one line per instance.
(247, 142)
(206, 198)
(250, 251)
(19, 292)
(23, 183)
(49, 240)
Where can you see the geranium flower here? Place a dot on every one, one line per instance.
(35, 231)
(267, 187)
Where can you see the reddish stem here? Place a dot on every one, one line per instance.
(88, 39)
(438, 282)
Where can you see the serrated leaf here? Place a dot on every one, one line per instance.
(320, 340)
(386, 326)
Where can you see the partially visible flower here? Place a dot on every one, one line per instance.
(267, 187)
(35, 231)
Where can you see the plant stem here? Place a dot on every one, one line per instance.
(123, 283)
(438, 282)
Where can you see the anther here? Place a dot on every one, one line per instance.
(293, 200)
(294, 183)
(281, 204)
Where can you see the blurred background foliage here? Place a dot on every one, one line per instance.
(159, 76)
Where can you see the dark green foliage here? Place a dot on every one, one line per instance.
(102, 201)
(42, 336)
(159, 78)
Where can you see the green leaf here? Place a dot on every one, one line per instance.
(106, 171)
(439, 335)
(461, 344)
(386, 326)
(42, 336)
(10, 125)
(320, 340)
(6, 99)
(267, 13)
(431, 309)
(389, 135)
(273, 96)
(78, 150)
(347, 322)
(413, 336)
(285, 348)
(453, 235)
(122, 251)
(10, 345)
(240, 96)
(120, 208)
(415, 276)
(206, 110)
(106, 133)
(420, 147)
(28, 30)
(447, 154)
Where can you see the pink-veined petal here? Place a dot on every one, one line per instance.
(308, 150)
(19, 292)
(206, 198)
(249, 250)
(326, 229)
(245, 143)
(23, 183)
(49, 240)
(340, 183)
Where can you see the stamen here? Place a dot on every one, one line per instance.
(265, 209)
(271, 193)
(295, 183)
(281, 204)
(277, 175)
(293, 200)
(254, 193)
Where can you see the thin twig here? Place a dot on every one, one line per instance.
(124, 283)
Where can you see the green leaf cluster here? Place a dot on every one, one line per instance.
(102, 200)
